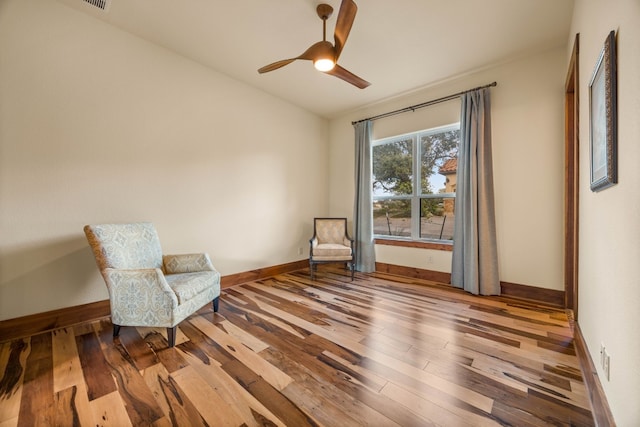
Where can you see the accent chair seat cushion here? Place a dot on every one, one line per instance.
(187, 285)
(331, 252)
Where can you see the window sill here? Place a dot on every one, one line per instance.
(415, 244)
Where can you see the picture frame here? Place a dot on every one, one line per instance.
(603, 118)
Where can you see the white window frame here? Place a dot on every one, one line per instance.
(416, 195)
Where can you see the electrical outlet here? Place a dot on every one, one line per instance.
(606, 364)
(299, 251)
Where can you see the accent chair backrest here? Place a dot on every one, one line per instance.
(330, 230)
(125, 246)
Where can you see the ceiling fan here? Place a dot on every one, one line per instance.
(324, 54)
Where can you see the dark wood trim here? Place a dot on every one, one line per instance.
(60, 318)
(571, 180)
(262, 273)
(551, 297)
(599, 405)
(416, 273)
(415, 244)
(42, 322)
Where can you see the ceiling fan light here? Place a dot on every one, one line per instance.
(324, 64)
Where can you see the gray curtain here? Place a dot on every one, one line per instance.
(362, 211)
(475, 254)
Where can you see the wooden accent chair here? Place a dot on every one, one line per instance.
(145, 287)
(331, 243)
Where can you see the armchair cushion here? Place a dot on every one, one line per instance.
(329, 230)
(187, 285)
(126, 246)
(331, 251)
(187, 263)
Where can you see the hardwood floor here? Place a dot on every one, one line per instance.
(381, 351)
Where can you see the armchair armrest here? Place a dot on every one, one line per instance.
(187, 263)
(139, 297)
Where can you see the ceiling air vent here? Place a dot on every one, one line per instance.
(100, 4)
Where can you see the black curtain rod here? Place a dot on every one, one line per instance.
(424, 104)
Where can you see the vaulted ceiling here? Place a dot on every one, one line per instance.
(397, 46)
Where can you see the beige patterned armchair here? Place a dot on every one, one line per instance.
(145, 287)
(331, 243)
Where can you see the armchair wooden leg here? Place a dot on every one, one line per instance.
(116, 330)
(171, 336)
(216, 303)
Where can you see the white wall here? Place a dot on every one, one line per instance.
(609, 271)
(528, 157)
(97, 125)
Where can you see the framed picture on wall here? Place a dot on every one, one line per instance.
(603, 118)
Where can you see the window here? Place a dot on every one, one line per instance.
(414, 184)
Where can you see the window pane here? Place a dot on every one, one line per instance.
(392, 218)
(436, 218)
(439, 161)
(393, 168)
